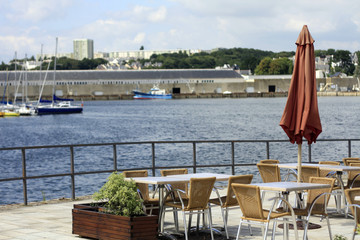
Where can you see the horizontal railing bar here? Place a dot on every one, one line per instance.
(165, 142)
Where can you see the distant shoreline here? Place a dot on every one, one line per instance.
(212, 95)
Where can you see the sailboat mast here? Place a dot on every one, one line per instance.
(56, 46)
(41, 62)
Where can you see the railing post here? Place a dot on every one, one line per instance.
(194, 157)
(349, 148)
(232, 158)
(72, 170)
(309, 145)
(267, 150)
(24, 176)
(153, 158)
(115, 158)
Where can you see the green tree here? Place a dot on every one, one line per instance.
(280, 66)
(264, 66)
(344, 58)
(142, 47)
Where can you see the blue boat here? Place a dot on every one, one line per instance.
(154, 93)
(63, 107)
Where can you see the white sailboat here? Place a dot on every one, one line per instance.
(58, 105)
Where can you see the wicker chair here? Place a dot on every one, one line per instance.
(181, 186)
(248, 197)
(309, 171)
(354, 205)
(269, 161)
(149, 203)
(229, 201)
(338, 189)
(269, 173)
(325, 173)
(197, 202)
(316, 203)
(353, 176)
(349, 160)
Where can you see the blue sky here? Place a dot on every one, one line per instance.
(117, 25)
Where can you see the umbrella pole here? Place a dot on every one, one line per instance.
(299, 163)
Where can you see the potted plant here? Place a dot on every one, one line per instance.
(117, 213)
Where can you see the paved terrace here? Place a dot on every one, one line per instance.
(53, 220)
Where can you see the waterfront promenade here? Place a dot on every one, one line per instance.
(53, 220)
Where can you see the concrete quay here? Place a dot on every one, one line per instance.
(53, 220)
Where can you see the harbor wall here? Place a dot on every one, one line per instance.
(235, 88)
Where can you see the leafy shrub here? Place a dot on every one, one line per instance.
(120, 195)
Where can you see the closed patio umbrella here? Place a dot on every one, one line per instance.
(301, 115)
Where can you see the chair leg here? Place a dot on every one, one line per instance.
(266, 230)
(176, 219)
(225, 223)
(328, 223)
(162, 219)
(250, 229)
(274, 229)
(210, 225)
(185, 228)
(239, 229)
(190, 221)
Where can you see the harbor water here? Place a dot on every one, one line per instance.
(159, 120)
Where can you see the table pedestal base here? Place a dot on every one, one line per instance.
(301, 226)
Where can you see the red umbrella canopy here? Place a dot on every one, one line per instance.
(301, 114)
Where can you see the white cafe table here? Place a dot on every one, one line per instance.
(172, 179)
(285, 188)
(339, 169)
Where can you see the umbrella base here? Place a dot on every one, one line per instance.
(301, 225)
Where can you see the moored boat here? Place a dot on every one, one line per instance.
(64, 107)
(57, 105)
(8, 113)
(154, 93)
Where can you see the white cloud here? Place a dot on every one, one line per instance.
(35, 10)
(158, 15)
(139, 38)
(12, 44)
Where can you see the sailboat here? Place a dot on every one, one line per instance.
(24, 108)
(58, 105)
(7, 108)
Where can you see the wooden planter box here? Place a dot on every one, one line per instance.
(89, 222)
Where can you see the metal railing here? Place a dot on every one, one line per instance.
(72, 173)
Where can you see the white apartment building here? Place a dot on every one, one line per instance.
(83, 48)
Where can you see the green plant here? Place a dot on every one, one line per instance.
(120, 195)
(339, 237)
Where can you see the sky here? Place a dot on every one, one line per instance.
(118, 25)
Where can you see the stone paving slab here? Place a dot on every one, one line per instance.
(54, 221)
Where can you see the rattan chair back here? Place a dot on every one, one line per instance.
(349, 160)
(350, 197)
(269, 172)
(269, 161)
(248, 197)
(143, 187)
(324, 173)
(320, 204)
(352, 182)
(309, 171)
(230, 197)
(181, 186)
(199, 193)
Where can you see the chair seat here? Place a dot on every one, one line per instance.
(152, 201)
(178, 205)
(273, 215)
